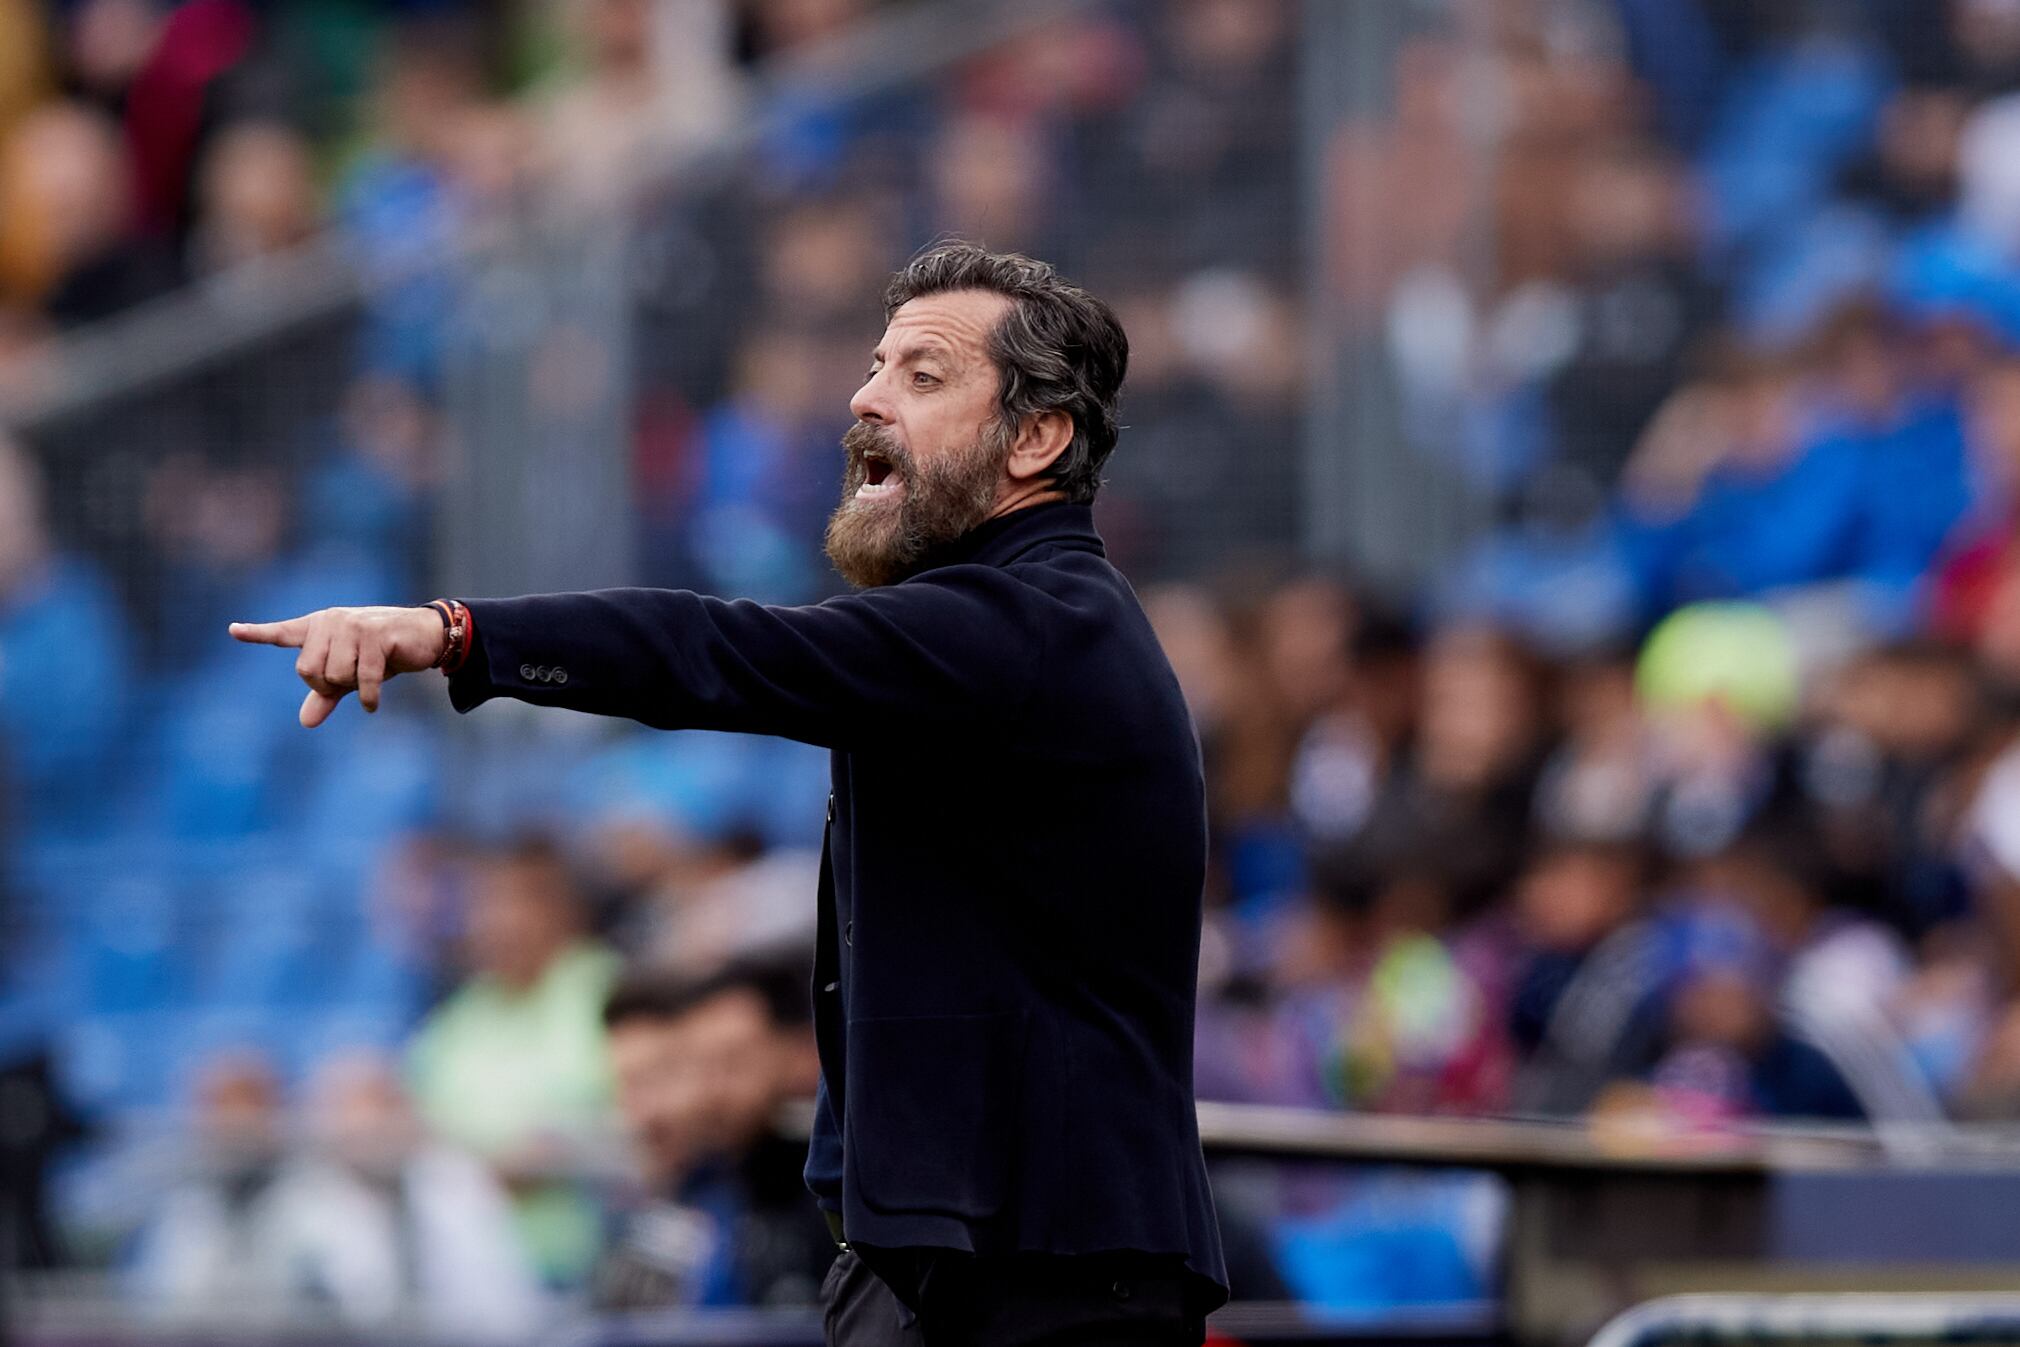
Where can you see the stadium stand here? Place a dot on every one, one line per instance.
(1575, 485)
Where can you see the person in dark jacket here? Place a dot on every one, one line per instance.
(1009, 908)
(703, 1066)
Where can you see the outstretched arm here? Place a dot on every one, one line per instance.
(347, 650)
(952, 652)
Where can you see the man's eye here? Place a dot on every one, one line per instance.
(920, 379)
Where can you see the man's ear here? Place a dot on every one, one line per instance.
(1041, 439)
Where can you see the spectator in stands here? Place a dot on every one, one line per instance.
(368, 1221)
(1637, 305)
(1890, 734)
(1199, 641)
(1718, 684)
(1752, 1026)
(513, 1064)
(760, 502)
(1961, 265)
(67, 241)
(1361, 721)
(212, 63)
(1974, 47)
(204, 1244)
(1910, 175)
(1249, 751)
(103, 45)
(381, 1226)
(1203, 134)
(989, 179)
(1580, 1008)
(1464, 791)
(1211, 385)
(822, 257)
(1728, 495)
(1554, 572)
(371, 489)
(1905, 424)
(1724, 1055)
(402, 205)
(653, 80)
(703, 1066)
(1838, 981)
(1422, 1035)
(256, 196)
(1306, 632)
(1600, 781)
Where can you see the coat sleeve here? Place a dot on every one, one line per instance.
(955, 649)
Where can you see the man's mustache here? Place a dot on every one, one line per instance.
(864, 438)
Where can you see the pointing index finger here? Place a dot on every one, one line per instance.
(289, 633)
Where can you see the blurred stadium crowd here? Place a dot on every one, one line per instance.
(1685, 793)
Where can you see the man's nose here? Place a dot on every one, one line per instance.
(869, 403)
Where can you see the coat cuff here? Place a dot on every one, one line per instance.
(470, 686)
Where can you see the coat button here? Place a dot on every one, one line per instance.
(832, 986)
(526, 671)
(848, 933)
(560, 676)
(831, 806)
(1120, 1290)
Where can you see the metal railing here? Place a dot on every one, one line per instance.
(1518, 1144)
(1852, 1317)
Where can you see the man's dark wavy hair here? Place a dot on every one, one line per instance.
(1058, 348)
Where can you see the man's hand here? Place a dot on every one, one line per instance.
(351, 649)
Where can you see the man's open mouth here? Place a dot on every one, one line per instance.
(879, 477)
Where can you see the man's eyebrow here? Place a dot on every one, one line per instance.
(925, 350)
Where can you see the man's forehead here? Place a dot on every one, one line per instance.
(958, 319)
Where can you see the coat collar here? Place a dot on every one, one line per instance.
(1000, 541)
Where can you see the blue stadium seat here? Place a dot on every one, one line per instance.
(116, 1063)
(266, 940)
(124, 944)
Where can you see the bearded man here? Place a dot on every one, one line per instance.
(1004, 1143)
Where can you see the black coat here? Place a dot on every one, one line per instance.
(1010, 893)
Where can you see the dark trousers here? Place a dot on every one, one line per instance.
(954, 1300)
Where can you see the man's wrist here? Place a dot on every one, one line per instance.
(458, 633)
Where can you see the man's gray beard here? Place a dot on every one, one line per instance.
(875, 542)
